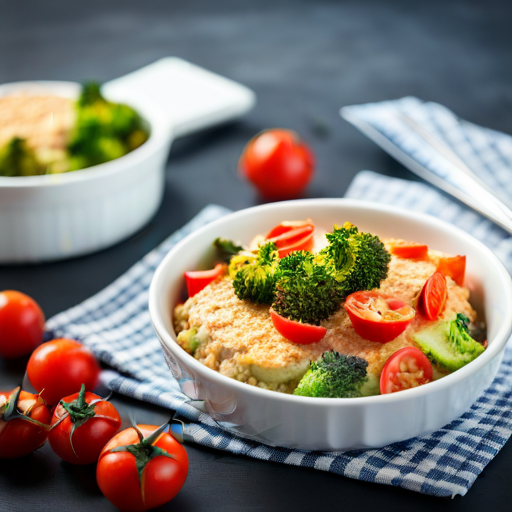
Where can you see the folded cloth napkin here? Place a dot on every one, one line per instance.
(115, 323)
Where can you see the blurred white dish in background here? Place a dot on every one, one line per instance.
(335, 423)
(58, 216)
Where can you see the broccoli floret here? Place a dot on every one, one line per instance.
(254, 274)
(17, 159)
(337, 376)
(448, 344)
(357, 260)
(305, 291)
(103, 130)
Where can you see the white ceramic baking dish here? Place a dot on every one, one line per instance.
(335, 424)
(58, 216)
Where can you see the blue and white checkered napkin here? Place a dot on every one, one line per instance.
(115, 323)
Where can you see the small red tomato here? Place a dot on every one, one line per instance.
(278, 163)
(300, 333)
(454, 267)
(292, 236)
(59, 367)
(407, 368)
(142, 469)
(433, 296)
(21, 324)
(378, 317)
(82, 424)
(198, 279)
(24, 423)
(409, 250)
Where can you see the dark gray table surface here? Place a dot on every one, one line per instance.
(304, 59)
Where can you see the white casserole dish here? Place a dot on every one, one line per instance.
(63, 215)
(335, 424)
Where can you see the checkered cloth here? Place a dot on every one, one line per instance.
(115, 323)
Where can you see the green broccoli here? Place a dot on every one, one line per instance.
(227, 248)
(305, 291)
(254, 274)
(357, 260)
(338, 376)
(103, 130)
(448, 344)
(17, 159)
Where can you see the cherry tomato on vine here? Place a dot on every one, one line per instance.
(433, 296)
(292, 236)
(59, 367)
(407, 368)
(24, 423)
(21, 324)
(277, 163)
(198, 279)
(142, 469)
(82, 424)
(300, 333)
(409, 250)
(378, 317)
(454, 267)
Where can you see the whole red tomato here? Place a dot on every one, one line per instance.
(59, 367)
(142, 469)
(21, 324)
(82, 424)
(278, 163)
(24, 422)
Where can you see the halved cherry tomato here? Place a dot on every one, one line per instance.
(378, 317)
(278, 163)
(289, 237)
(454, 267)
(21, 324)
(24, 423)
(82, 424)
(407, 368)
(59, 367)
(433, 296)
(141, 469)
(300, 333)
(409, 250)
(198, 279)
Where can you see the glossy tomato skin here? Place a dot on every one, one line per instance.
(303, 334)
(21, 324)
(433, 296)
(292, 236)
(394, 378)
(118, 478)
(409, 250)
(380, 331)
(59, 367)
(454, 267)
(19, 437)
(199, 279)
(278, 163)
(89, 438)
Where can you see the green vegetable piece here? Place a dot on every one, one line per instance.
(357, 260)
(448, 343)
(337, 376)
(305, 291)
(227, 247)
(17, 159)
(190, 339)
(254, 275)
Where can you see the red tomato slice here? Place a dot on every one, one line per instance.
(433, 296)
(290, 237)
(454, 267)
(198, 279)
(300, 333)
(407, 368)
(409, 250)
(378, 317)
